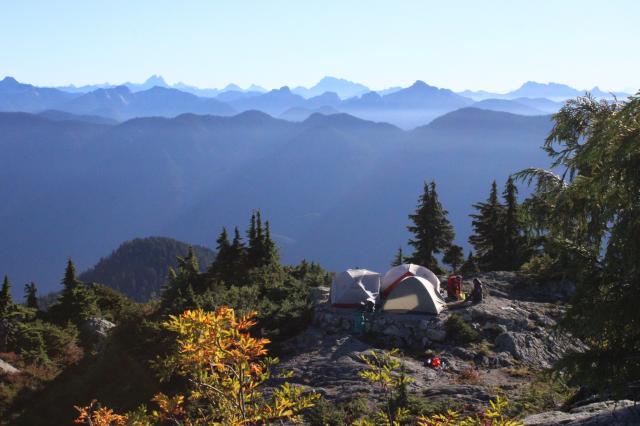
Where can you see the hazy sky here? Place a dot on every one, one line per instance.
(494, 45)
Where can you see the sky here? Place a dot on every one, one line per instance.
(491, 45)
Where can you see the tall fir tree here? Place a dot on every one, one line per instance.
(512, 229)
(6, 301)
(254, 243)
(487, 238)
(31, 295)
(76, 302)
(432, 230)
(454, 257)
(271, 255)
(183, 284)
(238, 256)
(220, 267)
(398, 258)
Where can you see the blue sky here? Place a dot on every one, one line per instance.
(493, 45)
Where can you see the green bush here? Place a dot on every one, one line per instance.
(43, 342)
(421, 406)
(458, 331)
(326, 413)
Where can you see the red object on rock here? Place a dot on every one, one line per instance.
(435, 362)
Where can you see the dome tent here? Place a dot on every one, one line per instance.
(353, 287)
(395, 275)
(414, 295)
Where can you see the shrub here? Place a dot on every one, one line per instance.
(458, 331)
(495, 415)
(469, 376)
(225, 368)
(326, 413)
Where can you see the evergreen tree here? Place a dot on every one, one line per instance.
(238, 257)
(76, 302)
(6, 301)
(432, 230)
(593, 222)
(487, 226)
(270, 256)
(221, 266)
(31, 295)
(184, 283)
(261, 250)
(512, 229)
(254, 247)
(399, 258)
(454, 257)
(469, 266)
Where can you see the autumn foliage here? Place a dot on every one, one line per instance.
(225, 367)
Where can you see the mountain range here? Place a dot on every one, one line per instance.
(337, 189)
(407, 108)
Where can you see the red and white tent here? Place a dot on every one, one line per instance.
(396, 274)
(354, 287)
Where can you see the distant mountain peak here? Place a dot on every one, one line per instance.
(119, 89)
(232, 87)
(331, 79)
(155, 80)
(256, 88)
(420, 83)
(9, 81)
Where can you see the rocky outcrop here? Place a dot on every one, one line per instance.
(517, 329)
(536, 348)
(96, 330)
(610, 413)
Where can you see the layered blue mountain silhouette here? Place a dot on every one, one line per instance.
(406, 107)
(337, 189)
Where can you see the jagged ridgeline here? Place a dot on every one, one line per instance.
(139, 268)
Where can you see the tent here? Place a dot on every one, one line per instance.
(396, 274)
(414, 295)
(353, 287)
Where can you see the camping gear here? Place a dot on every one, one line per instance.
(454, 287)
(414, 295)
(355, 288)
(395, 275)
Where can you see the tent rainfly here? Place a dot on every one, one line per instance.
(395, 275)
(414, 295)
(354, 287)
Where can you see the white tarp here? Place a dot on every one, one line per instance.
(400, 272)
(353, 287)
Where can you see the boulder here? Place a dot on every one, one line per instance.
(96, 330)
(540, 351)
(612, 413)
(97, 327)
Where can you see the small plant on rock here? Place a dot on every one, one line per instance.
(492, 416)
(385, 370)
(459, 331)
